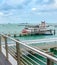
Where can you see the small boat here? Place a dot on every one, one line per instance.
(37, 29)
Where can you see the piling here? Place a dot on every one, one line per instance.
(14, 35)
(54, 32)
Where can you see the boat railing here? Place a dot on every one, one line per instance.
(24, 54)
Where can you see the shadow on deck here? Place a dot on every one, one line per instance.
(3, 60)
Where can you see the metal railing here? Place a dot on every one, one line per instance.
(24, 54)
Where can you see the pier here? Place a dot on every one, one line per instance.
(3, 60)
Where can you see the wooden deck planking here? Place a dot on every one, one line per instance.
(3, 60)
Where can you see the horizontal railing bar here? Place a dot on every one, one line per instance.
(31, 59)
(12, 49)
(11, 52)
(30, 54)
(24, 62)
(27, 60)
(12, 55)
(37, 58)
(36, 50)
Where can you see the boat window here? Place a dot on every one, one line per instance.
(37, 26)
(26, 28)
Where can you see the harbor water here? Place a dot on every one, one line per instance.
(17, 28)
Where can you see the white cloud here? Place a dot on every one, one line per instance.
(6, 13)
(48, 7)
(55, 3)
(34, 9)
(1, 13)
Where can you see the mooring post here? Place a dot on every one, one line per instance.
(54, 32)
(18, 52)
(6, 47)
(14, 35)
(0, 43)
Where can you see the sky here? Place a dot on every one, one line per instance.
(28, 11)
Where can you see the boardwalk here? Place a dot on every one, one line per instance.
(3, 60)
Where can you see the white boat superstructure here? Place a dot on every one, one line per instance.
(37, 29)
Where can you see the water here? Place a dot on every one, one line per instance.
(10, 28)
(16, 28)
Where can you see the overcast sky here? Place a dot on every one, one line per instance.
(28, 11)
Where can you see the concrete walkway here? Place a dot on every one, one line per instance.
(3, 60)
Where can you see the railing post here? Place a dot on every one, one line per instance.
(18, 52)
(49, 61)
(0, 43)
(6, 47)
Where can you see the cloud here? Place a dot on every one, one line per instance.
(55, 4)
(46, 6)
(5, 7)
(14, 4)
(34, 9)
(18, 2)
(33, 4)
(8, 14)
(42, 2)
(1, 13)
(28, 6)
